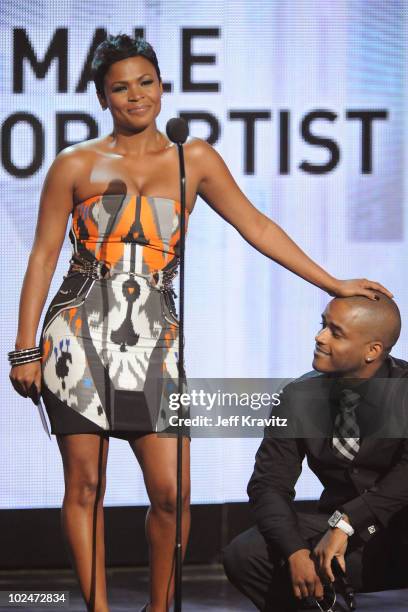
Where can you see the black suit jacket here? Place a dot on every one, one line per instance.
(370, 489)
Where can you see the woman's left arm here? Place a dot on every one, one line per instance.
(219, 189)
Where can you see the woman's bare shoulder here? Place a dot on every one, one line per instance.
(78, 156)
(202, 155)
(86, 148)
(204, 158)
(73, 162)
(198, 148)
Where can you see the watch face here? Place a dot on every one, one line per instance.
(335, 517)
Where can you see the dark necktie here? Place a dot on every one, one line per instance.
(346, 433)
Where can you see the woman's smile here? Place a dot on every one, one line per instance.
(138, 110)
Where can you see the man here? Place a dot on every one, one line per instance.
(361, 514)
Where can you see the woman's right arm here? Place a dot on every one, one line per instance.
(55, 207)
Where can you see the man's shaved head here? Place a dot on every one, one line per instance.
(357, 335)
(378, 319)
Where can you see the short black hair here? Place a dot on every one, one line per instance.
(380, 318)
(116, 48)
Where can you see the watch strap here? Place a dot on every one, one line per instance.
(346, 527)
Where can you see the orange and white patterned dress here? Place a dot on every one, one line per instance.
(110, 335)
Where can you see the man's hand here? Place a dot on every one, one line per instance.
(333, 544)
(305, 581)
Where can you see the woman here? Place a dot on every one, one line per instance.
(111, 329)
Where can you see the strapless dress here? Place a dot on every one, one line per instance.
(110, 334)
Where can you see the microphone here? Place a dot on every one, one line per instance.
(344, 585)
(177, 130)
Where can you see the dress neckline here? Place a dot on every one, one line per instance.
(105, 195)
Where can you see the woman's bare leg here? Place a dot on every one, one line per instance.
(157, 456)
(84, 458)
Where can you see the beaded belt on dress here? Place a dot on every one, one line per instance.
(162, 280)
(92, 268)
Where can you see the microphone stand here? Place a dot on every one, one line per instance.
(181, 378)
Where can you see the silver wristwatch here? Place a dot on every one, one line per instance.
(336, 520)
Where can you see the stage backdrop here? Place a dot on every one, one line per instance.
(304, 100)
